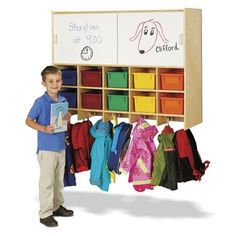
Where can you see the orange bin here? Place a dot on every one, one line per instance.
(172, 81)
(172, 104)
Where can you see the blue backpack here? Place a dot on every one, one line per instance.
(120, 144)
(69, 175)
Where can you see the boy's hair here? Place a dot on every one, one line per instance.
(49, 70)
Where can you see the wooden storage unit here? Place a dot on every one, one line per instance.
(191, 90)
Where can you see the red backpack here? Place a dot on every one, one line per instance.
(190, 164)
(82, 142)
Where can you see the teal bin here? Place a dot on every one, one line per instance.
(117, 79)
(118, 101)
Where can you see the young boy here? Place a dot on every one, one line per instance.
(50, 150)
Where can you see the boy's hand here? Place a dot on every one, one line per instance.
(49, 129)
(67, 117)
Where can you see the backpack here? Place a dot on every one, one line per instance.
(82, 142)
(120, 144)
(191, 166)
(198, 164)
(69, 175)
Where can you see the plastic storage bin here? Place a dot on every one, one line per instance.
(172, 104)
(117, 79)
(172, 81)
(71, 97)
(91, 78)
(69, 76)
(92, 100)
(145, 104)
(118, 101)
(144, 80)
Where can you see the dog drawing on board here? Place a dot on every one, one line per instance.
(147, 33)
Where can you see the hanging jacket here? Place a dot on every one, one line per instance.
(69, 176)
(120, 143)
(101, 148)
(165, 167)
(139, 156)
(82, 143)
(191, 166)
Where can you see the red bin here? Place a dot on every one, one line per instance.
(92, 100)
(91, 78)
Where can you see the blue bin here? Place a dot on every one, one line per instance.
(69, 76)
(71, 97)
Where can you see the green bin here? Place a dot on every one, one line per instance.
(118, 101)
(117, 79)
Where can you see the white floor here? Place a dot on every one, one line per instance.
(204, 207)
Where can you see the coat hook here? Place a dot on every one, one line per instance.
(115, 118)
(168, 119)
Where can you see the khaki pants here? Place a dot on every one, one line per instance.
(52, 167)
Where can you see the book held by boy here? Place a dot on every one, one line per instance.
(57, 119)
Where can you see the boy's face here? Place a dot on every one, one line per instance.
(52, 83)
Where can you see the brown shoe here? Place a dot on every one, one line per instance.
(62, 211)
(49, 221)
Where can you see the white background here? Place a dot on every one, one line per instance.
(206, 207)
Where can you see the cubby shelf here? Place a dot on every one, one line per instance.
(117, 112)
(170, 115)
(68, 86)
(143, 90)
(84, 87)
(170, 91)
(116, 89)
(131, 91)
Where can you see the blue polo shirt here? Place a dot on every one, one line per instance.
(40, 112)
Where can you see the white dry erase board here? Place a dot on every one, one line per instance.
(84, 38)
(151, 38)
(119, 38)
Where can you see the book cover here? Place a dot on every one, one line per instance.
(58, 111)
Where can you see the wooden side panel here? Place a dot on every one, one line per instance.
(193, 68)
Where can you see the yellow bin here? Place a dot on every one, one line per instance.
(144, 80)
(145, 104)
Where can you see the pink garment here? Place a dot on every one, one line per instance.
(138, 160)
